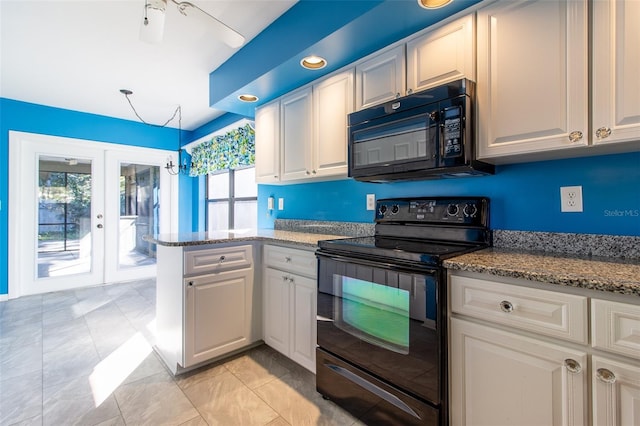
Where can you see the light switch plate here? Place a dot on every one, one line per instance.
(371, 201)
(280, 203)
(270, 203)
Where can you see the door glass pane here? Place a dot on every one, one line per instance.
(218, 215)
(245, 214)
(245, 183)
(218, 185)
(64, 216)
(139, 214)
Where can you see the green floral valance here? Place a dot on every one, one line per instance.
(234, 149)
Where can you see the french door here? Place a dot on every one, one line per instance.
(79, 211)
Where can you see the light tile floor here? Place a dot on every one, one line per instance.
(85, 357)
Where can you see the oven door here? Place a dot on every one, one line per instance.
(383, 319)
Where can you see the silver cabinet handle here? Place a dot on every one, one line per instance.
(99, 226)
(506, 306)
(575, 136)
(410, 91)
(603, 132)
(605, 375)
(397, 95)
(307, 172)
(572, 366)
(190, 283)
(222, 258)
(287, 259)
(313, 172)
(99, 216)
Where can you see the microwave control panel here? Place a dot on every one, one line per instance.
(452, 132)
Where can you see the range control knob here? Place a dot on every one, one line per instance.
(395, 209)
(452, 209)
(382, 209)
(470, 210)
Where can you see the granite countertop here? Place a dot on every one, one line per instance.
(604, 274)
(304, 239)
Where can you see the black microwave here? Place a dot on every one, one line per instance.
(425, 135)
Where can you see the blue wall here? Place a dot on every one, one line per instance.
(32, 118)
(523, 197)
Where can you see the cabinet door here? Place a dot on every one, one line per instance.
(332, 101)
(381, 78)
(442, 55)
(616, 71)
(616, 393)
(268, 143)
(303, 322)
(217, 313)
(532, 88)
(296, 135)
(500, 378)
(276, 310)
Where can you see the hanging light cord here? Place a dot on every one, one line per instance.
(178, 112)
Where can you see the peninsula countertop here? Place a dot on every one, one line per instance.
(305, 239)
(604, 274)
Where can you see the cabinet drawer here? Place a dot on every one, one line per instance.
(291, 260)
(615, 327)
(207, 261)
(540, 311)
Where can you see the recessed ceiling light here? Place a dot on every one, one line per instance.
(248, 98)
(313, 62)
(433, 4)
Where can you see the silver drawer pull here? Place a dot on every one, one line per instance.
(506, 306)
(222, 258)
(572, 366)
(605, 375)
(287, 259)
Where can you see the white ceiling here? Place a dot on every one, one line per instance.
(78, 54)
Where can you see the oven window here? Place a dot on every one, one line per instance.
(375, 313)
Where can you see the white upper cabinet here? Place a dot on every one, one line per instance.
(296, 133)
(268, 143)
(532, 88)
(380, 78)
(303, 135)
(442, 55)
(616, 71)
(332, 102)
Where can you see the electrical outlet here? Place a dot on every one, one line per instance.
(570, 198)
(280, 203)
(371, 201)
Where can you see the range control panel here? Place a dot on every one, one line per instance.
(468, 211)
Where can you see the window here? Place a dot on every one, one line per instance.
(232, 199)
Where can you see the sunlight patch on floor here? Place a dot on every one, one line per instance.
(113, 370)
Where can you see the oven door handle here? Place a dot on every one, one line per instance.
(380, 264)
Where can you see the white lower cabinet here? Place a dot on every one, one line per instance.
(616, 392)
(290, 304)
(500, 378)
(206, 303)
(217, 314)
(520, 355)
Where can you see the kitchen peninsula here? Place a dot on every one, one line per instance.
(209, 292)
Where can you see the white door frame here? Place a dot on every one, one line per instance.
(20, 146)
